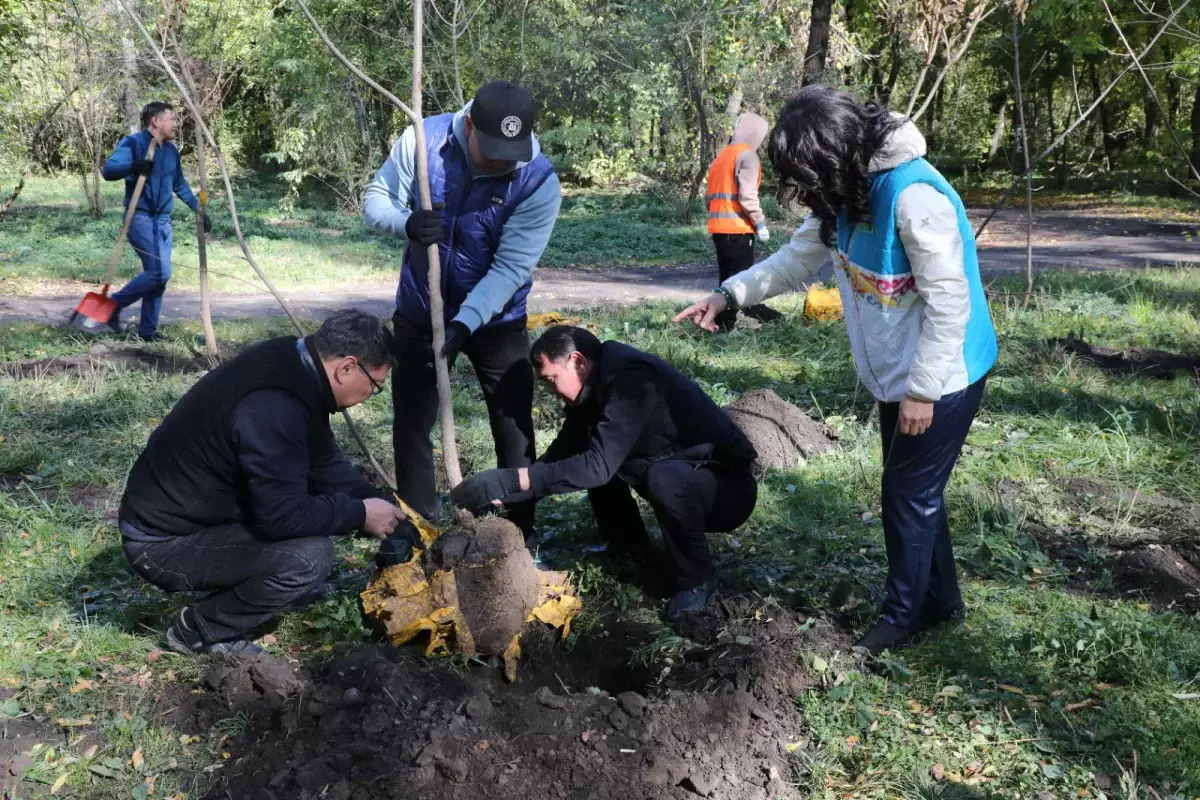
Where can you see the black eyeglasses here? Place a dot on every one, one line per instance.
(376, 386)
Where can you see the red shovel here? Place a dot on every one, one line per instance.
(97, 308)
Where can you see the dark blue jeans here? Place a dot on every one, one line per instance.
(150, 237)
(916, 530)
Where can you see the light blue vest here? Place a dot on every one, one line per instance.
(876, 246)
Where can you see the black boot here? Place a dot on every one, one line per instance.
(885, 636)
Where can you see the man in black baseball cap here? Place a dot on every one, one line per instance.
(500, 124)
(495, 200)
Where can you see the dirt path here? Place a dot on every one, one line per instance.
(1061, 239)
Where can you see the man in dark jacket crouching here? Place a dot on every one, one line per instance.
(635, 422)
(241, 486)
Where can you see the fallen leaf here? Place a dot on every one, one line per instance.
(59, 783)
(851, 742)
(1084, 704)
(81, 685)
(154, 655)
(482, 745)
(1014, 689)
(71, 722)
(269, 639)
(138, 759)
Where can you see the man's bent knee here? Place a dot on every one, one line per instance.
(306, 562)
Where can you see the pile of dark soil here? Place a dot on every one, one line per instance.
(593, 722)
(102, 356)
(1164, 574)
(784, 435)
(1142, 361)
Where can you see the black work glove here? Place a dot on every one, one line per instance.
(425, 227)
(477, 492)
(207, 220)
(456, 336)
(398, 548)
(142, 166)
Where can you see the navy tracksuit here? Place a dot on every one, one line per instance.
(150, 231)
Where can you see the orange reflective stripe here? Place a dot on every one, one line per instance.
(725, 213)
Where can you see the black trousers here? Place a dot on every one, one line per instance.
(500, 357)
(735, 253)
(689, 500)
(916, 528)
(253, 578)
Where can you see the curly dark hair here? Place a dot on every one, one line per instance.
(821, 147)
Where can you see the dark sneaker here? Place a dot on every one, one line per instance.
(692, 600)
(182, 637)
(149, 337)
(885, 636)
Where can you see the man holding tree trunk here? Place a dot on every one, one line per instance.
(495, 200)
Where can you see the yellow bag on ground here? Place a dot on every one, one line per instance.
(822, 304)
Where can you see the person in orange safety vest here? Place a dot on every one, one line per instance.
(735, 218)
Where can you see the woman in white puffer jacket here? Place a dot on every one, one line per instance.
(904, 256)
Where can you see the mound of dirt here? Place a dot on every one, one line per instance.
(102, 356)
(1143, 361)
(386, 723)
(495, 578)
(1161, 517)
(1161, 573)
(784, 436)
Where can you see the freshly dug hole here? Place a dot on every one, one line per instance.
(784, 436)
(495, 577)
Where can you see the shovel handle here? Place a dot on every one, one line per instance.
(129, 212)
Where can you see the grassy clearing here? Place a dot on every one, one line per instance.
(1056, 683)
(48, 237)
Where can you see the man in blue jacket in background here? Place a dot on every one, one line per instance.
(150, 230)
(495, 197)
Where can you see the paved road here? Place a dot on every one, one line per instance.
(1061, 238)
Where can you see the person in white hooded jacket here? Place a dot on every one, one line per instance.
(904, 257)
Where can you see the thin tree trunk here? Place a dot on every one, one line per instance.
(16, 192)
(876, 65)
(210, 336)
(817, 50)
(129, 87)
(894, 69)
(1196, 130)
(998, 131)
(1016, 41)
(1106, 120)
(1173, 87)
(1150, 108)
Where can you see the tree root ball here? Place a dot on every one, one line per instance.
(495, 576)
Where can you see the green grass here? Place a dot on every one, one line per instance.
(310, 243)
(995, 704)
